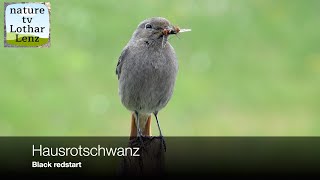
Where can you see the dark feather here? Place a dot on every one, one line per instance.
(121, 60)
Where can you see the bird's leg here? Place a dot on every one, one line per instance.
(134, 131)
(147, 128)
(162, 138)
(139, 134)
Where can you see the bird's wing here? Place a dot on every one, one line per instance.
(121, 59)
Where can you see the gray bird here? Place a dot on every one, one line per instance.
(147, 70)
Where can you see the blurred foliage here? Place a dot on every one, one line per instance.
(248, 68)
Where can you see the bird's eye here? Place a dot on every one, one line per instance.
(148, 26)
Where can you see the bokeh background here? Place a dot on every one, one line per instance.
(248, 68)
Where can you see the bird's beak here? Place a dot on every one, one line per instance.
(170, 30)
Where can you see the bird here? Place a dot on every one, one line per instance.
(147, 70)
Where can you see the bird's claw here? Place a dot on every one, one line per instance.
(140, 136)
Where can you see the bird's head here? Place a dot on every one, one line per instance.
(155, 30)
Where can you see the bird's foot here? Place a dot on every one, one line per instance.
(140, 136)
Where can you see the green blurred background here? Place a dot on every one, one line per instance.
(248, 68)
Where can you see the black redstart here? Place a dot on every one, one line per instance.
(147, 70)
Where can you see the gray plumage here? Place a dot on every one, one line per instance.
(147, 69)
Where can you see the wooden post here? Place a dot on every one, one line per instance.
(150, 162)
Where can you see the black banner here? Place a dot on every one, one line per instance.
(184, 156)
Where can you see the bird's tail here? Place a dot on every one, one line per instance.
(144, 123)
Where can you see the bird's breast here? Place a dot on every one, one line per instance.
(149, 80)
